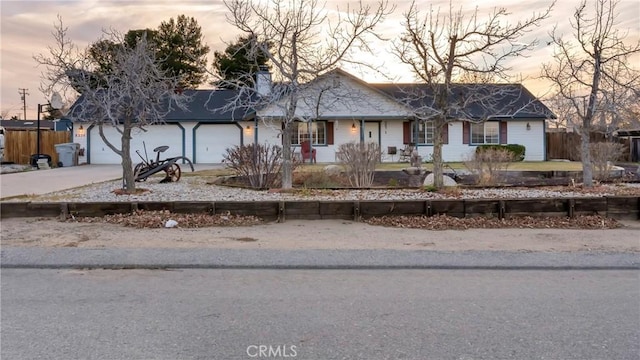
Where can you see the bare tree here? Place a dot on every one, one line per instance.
(441, 47)
(4, 114)
(595, 56)
(563, 109)
(134, 94)
(618, 106)
(302, 41)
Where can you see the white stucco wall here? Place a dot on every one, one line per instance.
(533, 139)
(212, 141)
(517, 133)
(97, 152)
(339, 97)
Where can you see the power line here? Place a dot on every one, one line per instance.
(23, 96)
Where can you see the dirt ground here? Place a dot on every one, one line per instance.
(324, 234)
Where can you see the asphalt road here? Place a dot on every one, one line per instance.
(166, 258)
(320, 314)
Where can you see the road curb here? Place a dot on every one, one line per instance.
(54, 258)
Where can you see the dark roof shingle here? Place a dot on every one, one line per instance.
(481, 100)
(202, 106)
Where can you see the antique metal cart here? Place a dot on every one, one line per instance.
(170, 166)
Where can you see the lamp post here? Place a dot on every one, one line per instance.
(54, 104)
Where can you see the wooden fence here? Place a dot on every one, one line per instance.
(617, 207)
(21, 144)
(567, 145)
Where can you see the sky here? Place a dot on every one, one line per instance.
(26, 27)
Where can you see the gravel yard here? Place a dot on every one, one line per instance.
(200, 189)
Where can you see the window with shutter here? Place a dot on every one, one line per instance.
(318, 133)
(485, 133)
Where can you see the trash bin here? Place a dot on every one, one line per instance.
(36, 157)
(68, 154)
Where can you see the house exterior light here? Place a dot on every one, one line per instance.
(81, 131)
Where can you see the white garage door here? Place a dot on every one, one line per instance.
(212, 140)
(156, 135)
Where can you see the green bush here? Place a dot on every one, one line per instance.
(429, 188)
(517, 150)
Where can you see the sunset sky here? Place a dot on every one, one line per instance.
(26, 28)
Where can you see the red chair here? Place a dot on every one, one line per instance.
(307, 152)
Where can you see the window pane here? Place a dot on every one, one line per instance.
(428, 132)
(420, 138)
(492, 132)
(425, 132)
(320, 129)
(318, 133)
(295, 134)
(477, 133)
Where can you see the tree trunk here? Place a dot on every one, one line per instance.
(587, 170)
(438, 183)
(127, 165)
(587, 120)
(287, 158)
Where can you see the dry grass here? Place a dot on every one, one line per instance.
(157, 219)
(444, 222)
(516, 166)
(207, 173)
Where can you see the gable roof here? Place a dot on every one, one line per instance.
(361, 82)
(333, 95)
(481, 101)
(208, 105)
(211, 101)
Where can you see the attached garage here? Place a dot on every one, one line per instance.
(201, 132)
(156, 135)
(212, 140)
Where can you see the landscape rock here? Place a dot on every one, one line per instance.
(332, 170)
(414, 170)
(616, 171)
(199, 189)
(428, 181)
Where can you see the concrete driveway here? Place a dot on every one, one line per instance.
(38, 182)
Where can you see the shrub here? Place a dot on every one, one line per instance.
(430, 188)
(260, 164)
(603, 154)
(360, 160)
(317, 179)
(517, 150)
(489, 164)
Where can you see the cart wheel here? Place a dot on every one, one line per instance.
(137, 171)
(173, 173)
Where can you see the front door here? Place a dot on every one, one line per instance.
(372, 132)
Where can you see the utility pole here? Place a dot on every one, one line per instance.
(23, 96)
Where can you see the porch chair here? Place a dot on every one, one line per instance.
(307, 152)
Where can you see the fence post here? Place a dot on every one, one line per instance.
(281, 212)
(572, 207)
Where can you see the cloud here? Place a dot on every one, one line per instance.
(26, 28)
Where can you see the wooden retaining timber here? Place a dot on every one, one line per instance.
(617, 207)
